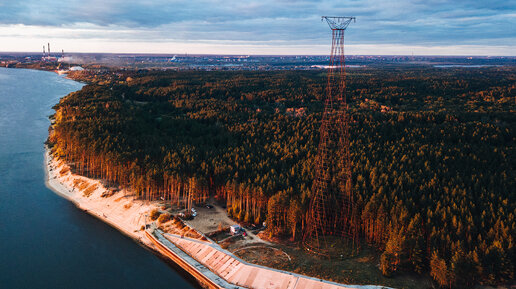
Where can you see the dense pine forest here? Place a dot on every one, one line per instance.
(433, 154)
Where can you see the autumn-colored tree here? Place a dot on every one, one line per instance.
(439, 270)
(431, 150)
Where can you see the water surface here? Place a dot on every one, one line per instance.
(45, 241)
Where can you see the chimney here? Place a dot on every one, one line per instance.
(49, 49)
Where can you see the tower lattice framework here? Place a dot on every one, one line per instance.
(331, 223)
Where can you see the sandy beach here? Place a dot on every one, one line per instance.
(120, 210)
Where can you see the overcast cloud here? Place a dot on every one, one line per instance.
(265, 23)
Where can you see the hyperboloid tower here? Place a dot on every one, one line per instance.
(331, 225)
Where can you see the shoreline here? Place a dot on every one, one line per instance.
(121, 211)
(95, 205)
(62, 187)
(63, 75)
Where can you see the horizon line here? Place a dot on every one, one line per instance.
(250, 54)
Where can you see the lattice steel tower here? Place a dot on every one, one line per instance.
(331, 225)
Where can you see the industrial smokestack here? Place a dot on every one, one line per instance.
(43, 50)
(62, 53)
(49, 49)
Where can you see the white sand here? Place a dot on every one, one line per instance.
(122, 212)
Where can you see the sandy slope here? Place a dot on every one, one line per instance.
(120, 210)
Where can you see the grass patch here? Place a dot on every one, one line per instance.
(361, 269)
(163, 218)
(89, 190)
(154, 214)
(108, 193)
(64, 171)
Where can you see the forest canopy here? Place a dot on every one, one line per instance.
(433, 154)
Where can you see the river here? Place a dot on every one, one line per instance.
(45, 241)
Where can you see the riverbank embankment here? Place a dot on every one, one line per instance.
(124, 212)
(211, 265)
(119, 209)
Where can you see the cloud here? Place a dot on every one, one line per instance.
(395, 22)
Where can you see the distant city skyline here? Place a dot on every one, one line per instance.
(405, 27)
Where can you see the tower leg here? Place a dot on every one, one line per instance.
(332, 224)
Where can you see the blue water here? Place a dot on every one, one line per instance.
(45, 241)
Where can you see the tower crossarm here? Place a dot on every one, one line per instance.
(338, 23)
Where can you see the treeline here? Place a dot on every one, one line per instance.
(433, 155)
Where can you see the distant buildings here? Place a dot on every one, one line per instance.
(240, 62)
(8, 63)
(76, 68)
(49, 59)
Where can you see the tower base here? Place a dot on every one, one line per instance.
(332, 247)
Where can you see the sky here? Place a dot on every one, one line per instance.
(402, 27)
